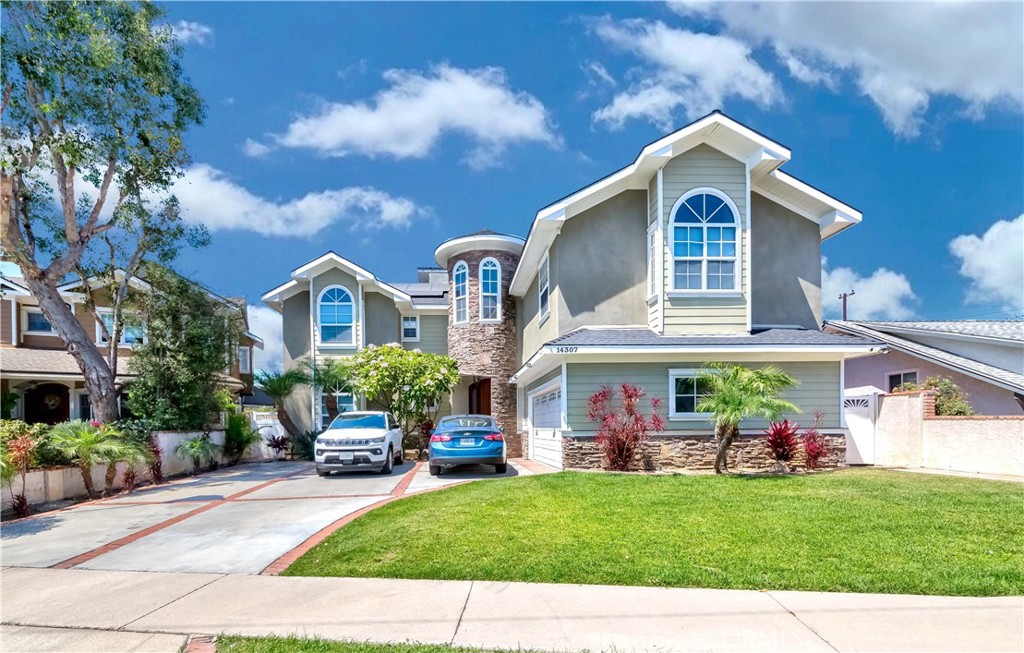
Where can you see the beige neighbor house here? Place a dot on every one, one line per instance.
(35, 366)
(702, 249)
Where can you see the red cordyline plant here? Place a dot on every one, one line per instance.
(20, 452)
(815, 447)
(622, 430)
(782, 441)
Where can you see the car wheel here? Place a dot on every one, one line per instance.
(389, 462)
(501, 469)
(399, 457)
(435, 470)
(322, 472)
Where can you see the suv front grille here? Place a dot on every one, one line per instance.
(346, 443)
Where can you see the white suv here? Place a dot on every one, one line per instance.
(359, 440)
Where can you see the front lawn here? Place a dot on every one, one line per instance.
(301, 645)
(850, 531)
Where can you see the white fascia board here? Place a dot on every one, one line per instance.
(282, 292)
(712, 349)
(13, 289)
(330, 257)
(817, 194)
(946, 334)
(258, 341)
(429, 308)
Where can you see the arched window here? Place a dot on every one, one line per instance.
(461, 277)
(490, 290)
(335, 316)
(704, 227)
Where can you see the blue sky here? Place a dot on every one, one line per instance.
(379, 130)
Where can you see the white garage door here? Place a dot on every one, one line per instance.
(546, 431)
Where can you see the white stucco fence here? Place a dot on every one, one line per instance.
(57, 483)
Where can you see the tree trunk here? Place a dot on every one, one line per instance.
(287, 423)
(331, 403)
(99, 380)
(110, 477)
(87, 480)
(724, 434)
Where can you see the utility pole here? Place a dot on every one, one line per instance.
(843, 297)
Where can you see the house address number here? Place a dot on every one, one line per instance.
(566, 350)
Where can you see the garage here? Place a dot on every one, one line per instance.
(546, 427)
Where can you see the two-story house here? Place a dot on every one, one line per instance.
(37, 369)
(702, 249)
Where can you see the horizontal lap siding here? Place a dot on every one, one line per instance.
(818, 390)
(433, 335)
(704, 166)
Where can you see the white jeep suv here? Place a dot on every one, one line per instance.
(359, 440)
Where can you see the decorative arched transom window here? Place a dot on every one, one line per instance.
(704, 246)
(490, 290)
(335, 311)
(460, 276)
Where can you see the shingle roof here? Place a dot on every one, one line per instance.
(1003, 329)
(641, 337)
(991, 373)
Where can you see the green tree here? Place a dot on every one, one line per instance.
(95, 106)
(191, 337)
(200, 448)
(88, 444)
(328, 375)
(408, 383)
(950, 399)
(733, 393)
(279, 386)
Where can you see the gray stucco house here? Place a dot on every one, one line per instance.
(701, 249)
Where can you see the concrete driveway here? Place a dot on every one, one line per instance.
(238, 520)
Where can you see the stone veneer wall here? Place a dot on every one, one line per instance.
(696, 453)
(488, 349)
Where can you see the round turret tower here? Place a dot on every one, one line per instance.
(482, 325)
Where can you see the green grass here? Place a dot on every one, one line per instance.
(300, 645)
(849, 531)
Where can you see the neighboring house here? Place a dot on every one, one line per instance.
(700, 250)
(984, 357)
(35, 365)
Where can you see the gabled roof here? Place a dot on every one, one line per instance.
(1010, 331)
(644, 337)
(990, 373)
(8, 287)
(761, 155)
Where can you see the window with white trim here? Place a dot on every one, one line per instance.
(490, 290)
(410, 328)
(244, 360)
(335, 311)
(131, 334)
(36, 322)
(897, 379)
(704, 243)
(543, 289)
(460, 275)
(684, 391)
(346, 402)
(652, 260)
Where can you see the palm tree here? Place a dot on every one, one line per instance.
(131, 452)
(734, 393)
(88, 444)
(198, 448)
(328, 375)
(278, 386)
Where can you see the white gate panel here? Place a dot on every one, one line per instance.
(546, 428)
(860, 420)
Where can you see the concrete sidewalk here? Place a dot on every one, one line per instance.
(507, 615)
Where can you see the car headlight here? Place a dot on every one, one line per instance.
(379, 440)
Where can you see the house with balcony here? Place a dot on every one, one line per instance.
(47, 383)
(701, 249)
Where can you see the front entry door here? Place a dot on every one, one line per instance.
(48, 403)
(480, 397)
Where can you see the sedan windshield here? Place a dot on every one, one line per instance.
(349, 421)
(466, 422)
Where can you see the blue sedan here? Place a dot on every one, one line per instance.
(467, 440)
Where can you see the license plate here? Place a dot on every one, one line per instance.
(466, 442)
(346, 455)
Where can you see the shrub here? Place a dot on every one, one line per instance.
(199, 448)
(20, 451)
(279, 443)
(91, 443)
(156, 463)
(238, 437)
(621, 433)
(782, 441)
(950, 399)
(303, 446)
(815, 447)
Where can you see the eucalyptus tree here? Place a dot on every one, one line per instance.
(94, 110)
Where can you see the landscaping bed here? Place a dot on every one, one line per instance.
(857, 530)
(300, 645)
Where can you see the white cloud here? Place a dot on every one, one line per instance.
(994, 263)
(208, 196)
(884, 295)
(255, 149)
(408, 118)
(900, 55)
(680, 69)
(187, 31)
(266, 323)
(598, 75)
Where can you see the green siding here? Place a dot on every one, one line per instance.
(433, 335)
(704, 166)
(818, 390)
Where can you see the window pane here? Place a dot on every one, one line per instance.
(330, 333)
(460, 309)
(712, 206)
(691, 211)
(723, 215)
(684, 404)
(134, 335)
(489, 308)
(544, 300)
(688, 275)
(684, 386)
(910, 377)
